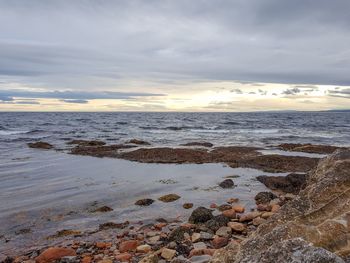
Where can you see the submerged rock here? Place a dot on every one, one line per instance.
(100, 151)
(144, 202)
(112, 225)
(86, 143)
(103, 209)
(200, 215)
(204, 144)
(187, 205)
(274, 163)
(308, 148)
(292, 183)
(264, 197)
(169, 198)
(318, 216)
(40, 145)
(65, 232)
(138, 142)
(227, 183)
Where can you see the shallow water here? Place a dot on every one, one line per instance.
(48, 191)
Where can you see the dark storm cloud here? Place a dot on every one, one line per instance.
(72, 96)
(79, 44)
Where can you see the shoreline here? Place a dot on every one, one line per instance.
(215, 154)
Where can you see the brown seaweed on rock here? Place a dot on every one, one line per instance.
(40, 145)
(308, 148)
(292, 183)
(319, 215)
(234, 156)
(100, 151)
(277, 163)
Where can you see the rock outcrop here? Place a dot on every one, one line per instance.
(308, 148)
(292, 183)
(313, 227)
(40, 145)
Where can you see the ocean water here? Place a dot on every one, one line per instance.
(254, 129)
(46, 191)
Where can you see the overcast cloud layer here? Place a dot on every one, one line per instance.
(299, 41)
(150, 46)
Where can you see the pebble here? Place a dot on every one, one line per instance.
(187, 205)
(153, 240)
(152, 234)
(167, 253)
(237, 227)
(201, 259)
(219, 242)
(224, 231)
(124, 257)
(249, 216)
(258, 221)
(103, 245)
(199, 245)
(264, 207)
(195, 237)
(238, 208)
(54, 253)
(267, 215)
(128, 245)
(229, 213)
(206, 236)
(172, 245)
(143, 248)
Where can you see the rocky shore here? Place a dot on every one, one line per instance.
(198, 152)
(304, 218)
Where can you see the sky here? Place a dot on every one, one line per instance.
(174, 55)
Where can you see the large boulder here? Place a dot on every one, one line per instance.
(319, 215)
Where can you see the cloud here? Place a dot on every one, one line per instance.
(262, 92)
(307, 87)
(292, 91)
(111, 44)
(72, 96)
(237, 91)
(342, 93)
(5, 98)
(76, 101)
(22, 102)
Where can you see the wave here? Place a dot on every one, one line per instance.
(231, 123)
(209, 131)
(11, 132)
(178, 128)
